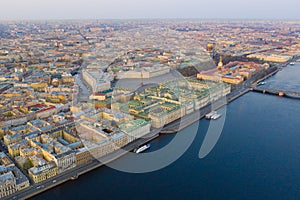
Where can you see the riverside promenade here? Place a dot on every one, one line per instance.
(171, 128)
(74, 173)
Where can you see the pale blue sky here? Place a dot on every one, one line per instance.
(116, 9)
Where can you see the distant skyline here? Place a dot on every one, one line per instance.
(136, 9)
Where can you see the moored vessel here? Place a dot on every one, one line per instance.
(209, 115)
(142, 148)
(216, 116)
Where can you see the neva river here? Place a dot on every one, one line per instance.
(256, 157)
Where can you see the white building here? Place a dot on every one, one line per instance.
(97, 79)
(145, 72)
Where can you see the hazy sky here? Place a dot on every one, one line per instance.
(100, 9)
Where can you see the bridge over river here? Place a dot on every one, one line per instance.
(278, 92)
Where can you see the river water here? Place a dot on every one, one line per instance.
(256, 157)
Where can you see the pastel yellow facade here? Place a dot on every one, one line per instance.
(83, 156)
(235, 80)
(39, 174)
(208, 77)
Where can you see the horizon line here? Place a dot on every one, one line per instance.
(152, 19)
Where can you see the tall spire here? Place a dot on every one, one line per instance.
(220, 65)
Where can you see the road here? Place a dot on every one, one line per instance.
(170, 128)
(84, 91)
(79, 170)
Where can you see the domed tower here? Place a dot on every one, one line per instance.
(210, 47)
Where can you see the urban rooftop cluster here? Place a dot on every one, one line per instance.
(73, 92)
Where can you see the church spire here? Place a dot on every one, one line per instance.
(220, 65)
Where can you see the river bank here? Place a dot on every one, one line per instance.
(255, 157)
(169, 129)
